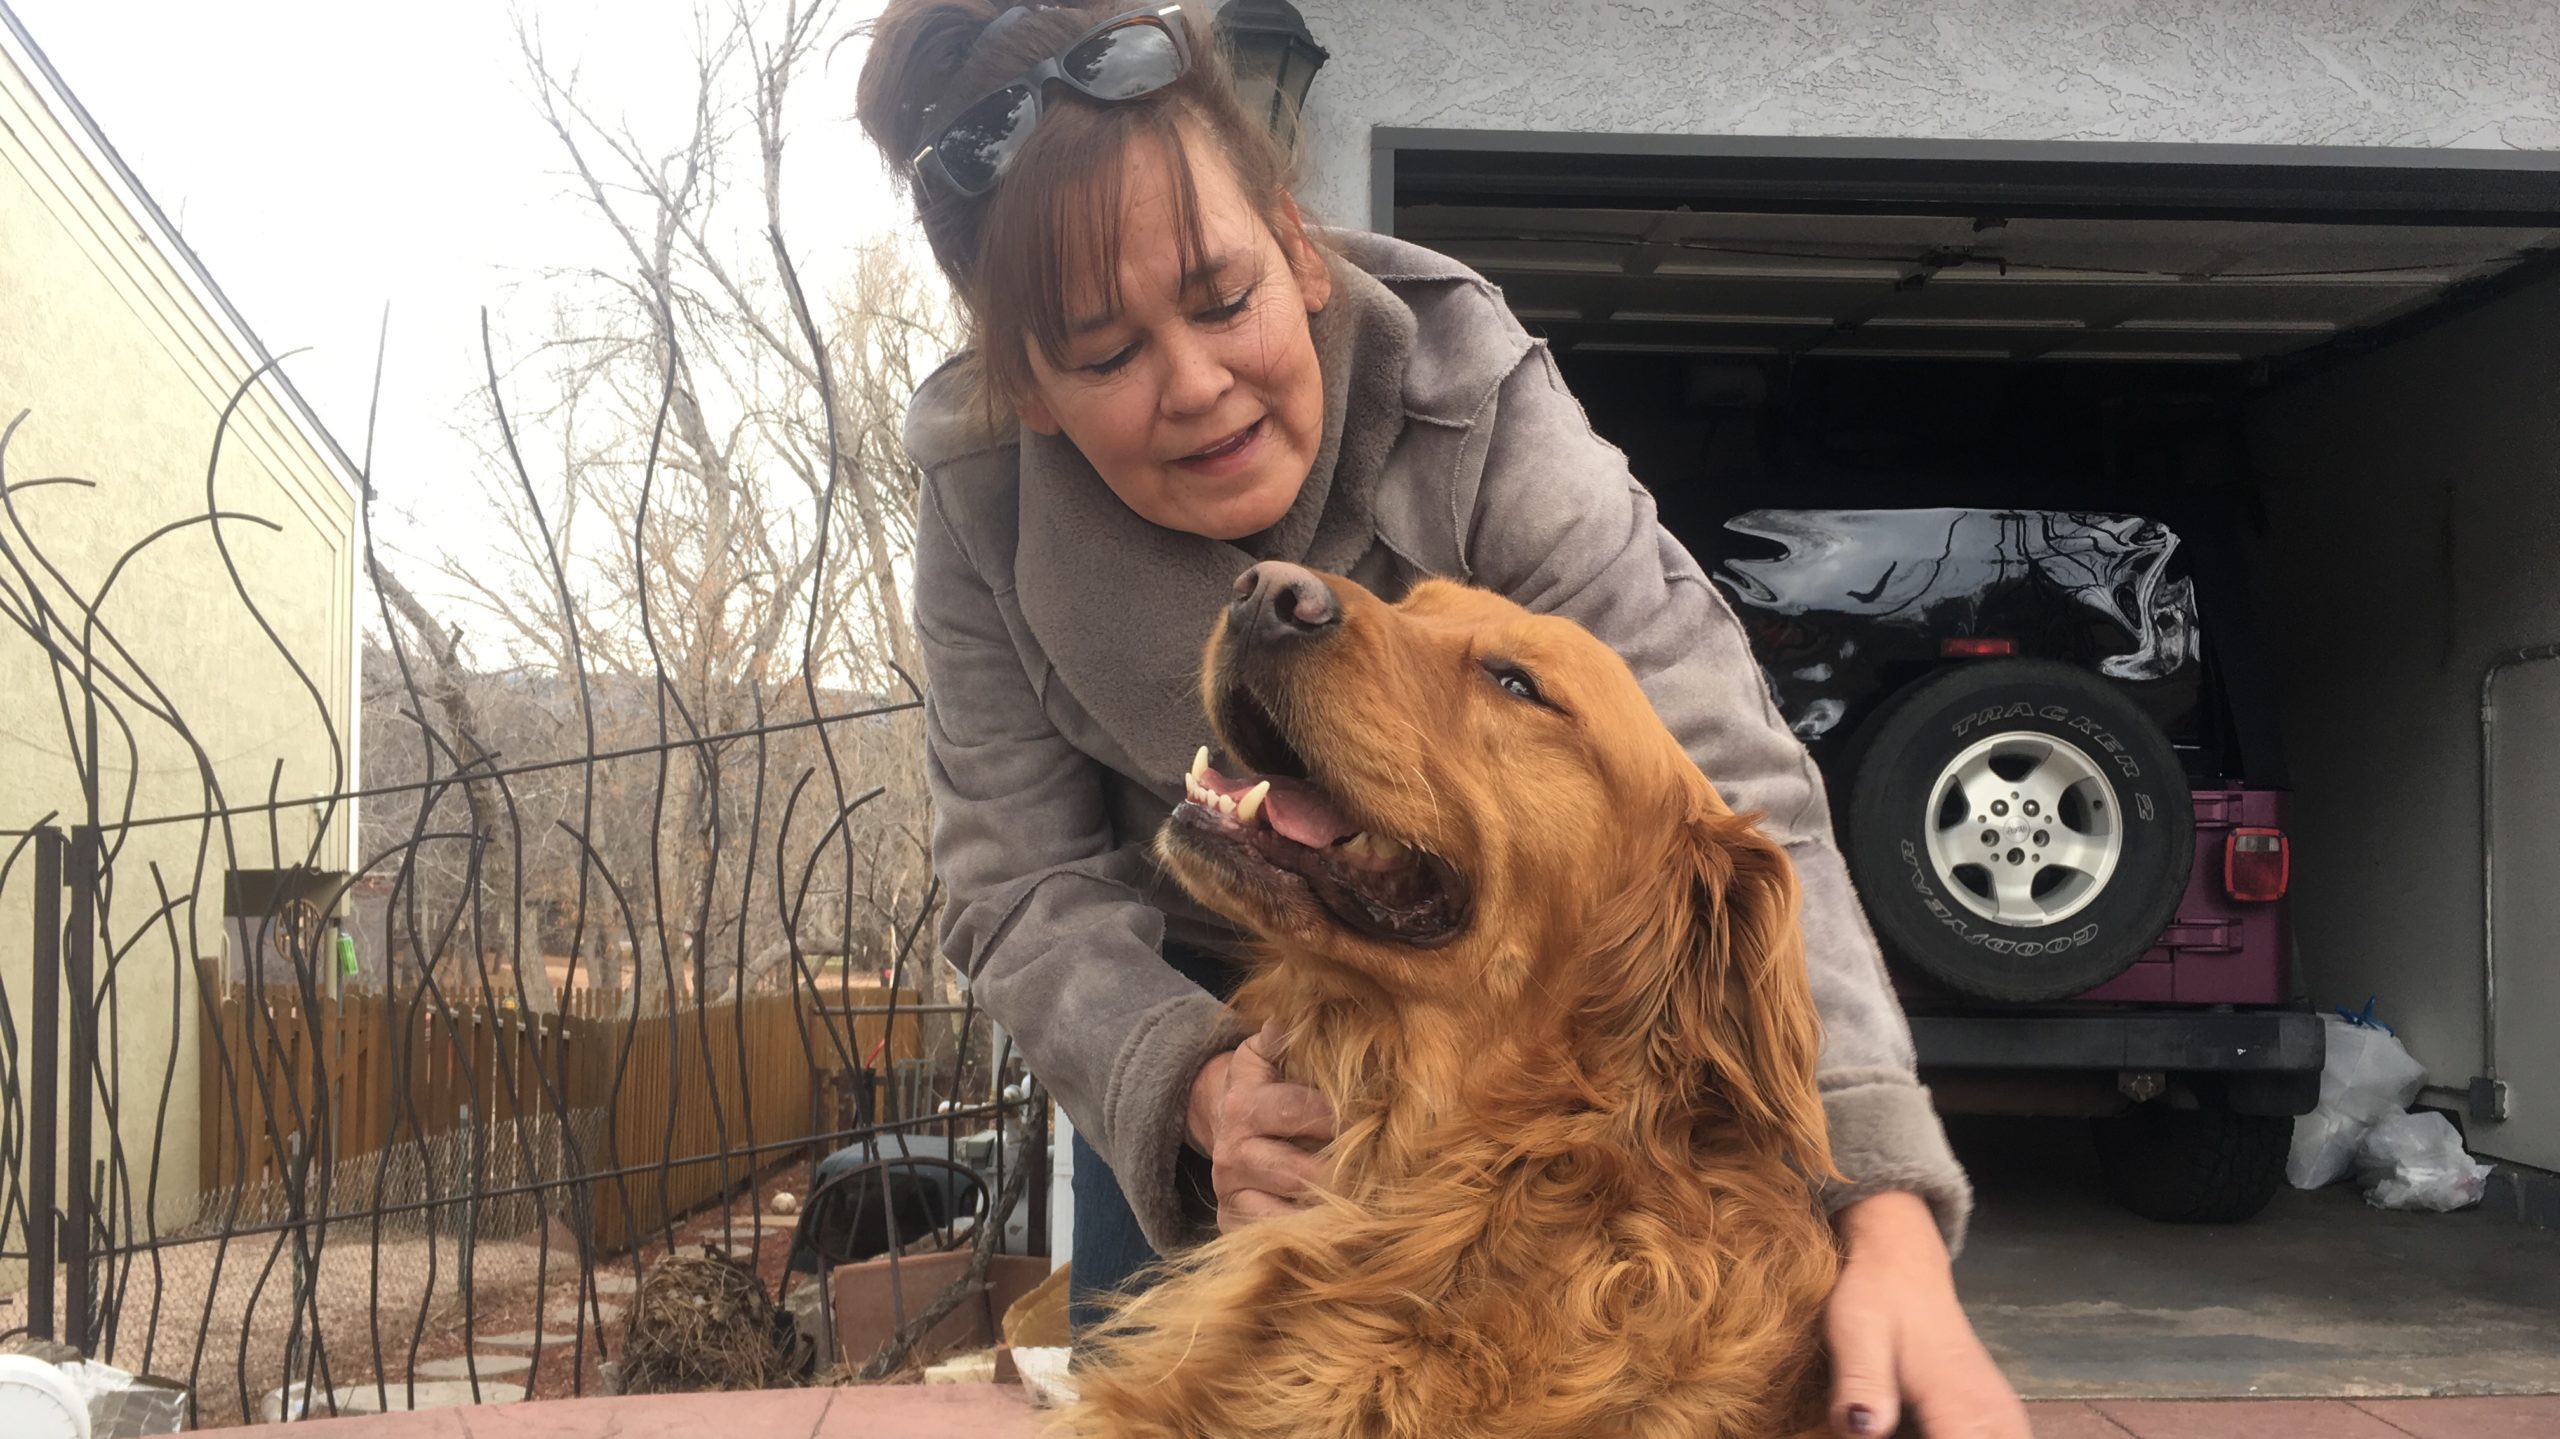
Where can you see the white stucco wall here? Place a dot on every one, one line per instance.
(2301, 72)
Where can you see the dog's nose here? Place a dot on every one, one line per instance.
(1278, 602)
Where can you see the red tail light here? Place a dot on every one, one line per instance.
(1976, 647)
(2257, 865)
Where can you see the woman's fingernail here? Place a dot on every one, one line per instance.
(1862, 1420)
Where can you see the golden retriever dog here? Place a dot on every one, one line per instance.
(1554, 990)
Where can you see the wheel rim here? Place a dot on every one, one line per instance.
(2023, 829)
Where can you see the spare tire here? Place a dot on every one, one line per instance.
(2019, 829)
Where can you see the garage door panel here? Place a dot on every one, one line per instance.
(1729, 334)
(2189, 342)
(1449, 227)
(2102, 299)
(1806, 294)
(2137, 288)
(2226, 247)
(1925, 341)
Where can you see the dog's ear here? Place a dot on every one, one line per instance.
(1711, 983)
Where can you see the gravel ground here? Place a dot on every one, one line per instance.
(400, 1308)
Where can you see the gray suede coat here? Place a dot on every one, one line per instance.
(1062, 636)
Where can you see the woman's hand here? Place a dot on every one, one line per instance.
(1900, 1343)
(1261, 1132)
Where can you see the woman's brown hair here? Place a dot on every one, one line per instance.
(1054, 219)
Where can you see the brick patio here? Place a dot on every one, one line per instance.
(900, 1411)
(987, 1412)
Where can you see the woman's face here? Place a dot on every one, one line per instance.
(1198, 398)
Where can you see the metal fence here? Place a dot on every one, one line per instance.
(307, 1109)
(390, 1183)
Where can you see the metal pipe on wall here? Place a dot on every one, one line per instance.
(44, 1097)
(2488, 1092)
(82, 1088)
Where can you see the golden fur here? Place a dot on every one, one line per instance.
(1574, 1183)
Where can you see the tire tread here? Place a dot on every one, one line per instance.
(2200, 1166)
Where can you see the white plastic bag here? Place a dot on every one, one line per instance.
(2366, 1077)
(2416, 1161)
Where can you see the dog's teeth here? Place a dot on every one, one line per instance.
(1199, 763)
(1251, 804)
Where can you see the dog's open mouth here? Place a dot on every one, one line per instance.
(1281, 820)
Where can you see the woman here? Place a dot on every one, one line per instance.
(1171, 377)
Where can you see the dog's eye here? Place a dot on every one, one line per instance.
(1517, 684)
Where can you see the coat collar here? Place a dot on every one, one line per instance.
(1112, 597)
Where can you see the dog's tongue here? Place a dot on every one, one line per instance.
(1294, 809)
(1300, 813)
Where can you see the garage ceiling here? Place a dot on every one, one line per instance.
(2198, 291)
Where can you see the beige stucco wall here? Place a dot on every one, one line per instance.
(123, 371)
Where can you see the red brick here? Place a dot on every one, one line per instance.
(2246, 1419)
(654, 1416)
(982, 1411)
(2503, 1417)
(933, 1411)
(891, 1411)
(2070, 1419)
(428, 1424)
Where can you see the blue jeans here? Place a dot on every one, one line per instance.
(1108, 1249)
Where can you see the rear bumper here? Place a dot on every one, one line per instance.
(2268, 1060)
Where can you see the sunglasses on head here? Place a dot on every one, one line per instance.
(1116, 61)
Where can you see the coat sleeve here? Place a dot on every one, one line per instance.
(1047, 913)
(1561, 526)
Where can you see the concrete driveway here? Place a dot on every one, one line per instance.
(2321, 1296)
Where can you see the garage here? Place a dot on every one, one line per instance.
(2322, 380)
(2326, 371)
(2202, 355)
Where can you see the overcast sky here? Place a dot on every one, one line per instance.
(326, 157)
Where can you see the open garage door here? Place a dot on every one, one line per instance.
(2086, 254)
(2372, 340)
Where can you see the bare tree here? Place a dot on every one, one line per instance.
(721, 535)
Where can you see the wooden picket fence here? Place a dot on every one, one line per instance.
(726, 1079)
(388, 1070)
(737, 1080)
